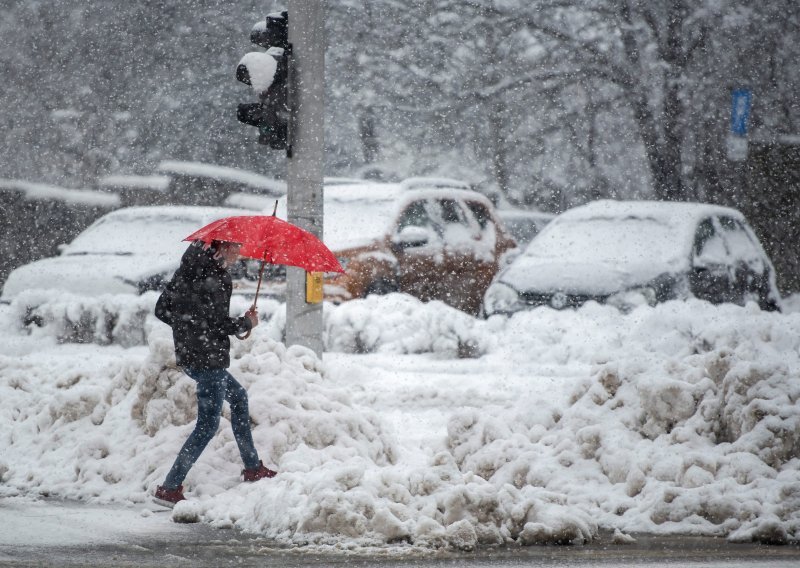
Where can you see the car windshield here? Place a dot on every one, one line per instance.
(607, 240)
(134, 235)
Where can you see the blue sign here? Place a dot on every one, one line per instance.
(740, 111)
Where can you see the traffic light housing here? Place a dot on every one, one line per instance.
(269, 76)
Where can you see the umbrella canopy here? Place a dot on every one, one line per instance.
(271, 239)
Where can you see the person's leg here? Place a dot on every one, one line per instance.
(236, 395)
(210, 395)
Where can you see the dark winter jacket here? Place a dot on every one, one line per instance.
(196, 305)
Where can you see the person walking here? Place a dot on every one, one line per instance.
(196, 305)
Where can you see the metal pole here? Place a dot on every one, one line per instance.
(306, 165)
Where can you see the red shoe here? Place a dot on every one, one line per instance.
(167, 497)
(258, 473)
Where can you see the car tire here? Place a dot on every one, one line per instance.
(765, 301)
(760, 287)
(380, 287)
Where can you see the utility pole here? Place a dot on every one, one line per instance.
(306, 164)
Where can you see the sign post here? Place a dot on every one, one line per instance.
(741, 102)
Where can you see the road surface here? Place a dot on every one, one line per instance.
(68, 534)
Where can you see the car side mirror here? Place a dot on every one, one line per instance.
(62, 247)
(411, 236)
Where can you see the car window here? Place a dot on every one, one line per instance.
(451, 212)
(705, 230)
(480, 213)
(741, 243)
(447, 215)
(709, 245)
(415, 215)
(485, 248)
(452, 224)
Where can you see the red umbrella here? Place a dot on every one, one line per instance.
(273, 240)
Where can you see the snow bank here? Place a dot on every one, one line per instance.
(690, 426)
(680, 419)
(109, 429)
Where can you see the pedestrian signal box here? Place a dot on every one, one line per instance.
(314, 287)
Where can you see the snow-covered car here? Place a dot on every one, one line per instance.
(434, 243)
(628, 252)
(127, 251)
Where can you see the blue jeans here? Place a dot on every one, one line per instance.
(213, 387)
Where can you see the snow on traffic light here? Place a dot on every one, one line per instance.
(268, 74)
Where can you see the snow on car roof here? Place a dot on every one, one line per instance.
(154, 183)
(683, 214)
(355, 214)
(254, 202)
(194, 212)
(372, 191)
(146, 230)
(433, 182)
(42, 191)
(358, 214)
(330, 181)
(647, 237)
(393, 192)
(223, 173)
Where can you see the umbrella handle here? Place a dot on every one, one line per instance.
(246, 334)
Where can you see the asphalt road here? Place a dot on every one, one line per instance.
(46, 534)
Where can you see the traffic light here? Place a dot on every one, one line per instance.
(269, 75)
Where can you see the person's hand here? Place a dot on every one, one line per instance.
(252, 315)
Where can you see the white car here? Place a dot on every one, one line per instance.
(127, 251)
(629, 252)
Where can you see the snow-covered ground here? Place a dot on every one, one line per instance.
(424, 427)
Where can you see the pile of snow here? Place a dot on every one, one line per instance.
(109, 429)
(678, 419)
(397, 323)
(688, 422)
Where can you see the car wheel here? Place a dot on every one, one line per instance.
(380, 287)
(765, 301)
(752, 286)
(768, 304)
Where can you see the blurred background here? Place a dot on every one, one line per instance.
(539, 105)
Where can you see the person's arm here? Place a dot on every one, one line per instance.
(237, 326)
(164, 306)
(217, 311)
